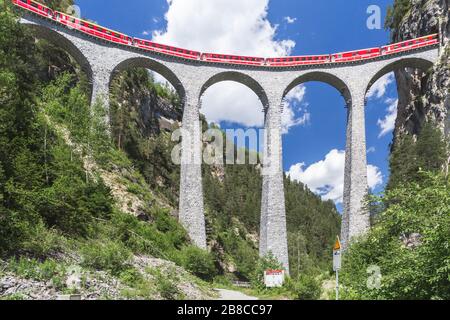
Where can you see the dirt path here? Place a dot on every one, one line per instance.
(233, 295)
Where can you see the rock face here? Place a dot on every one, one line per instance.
(423, 94)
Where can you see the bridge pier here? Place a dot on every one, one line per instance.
(100, 91)
(191, 214)
(356, 218)
(273, 232)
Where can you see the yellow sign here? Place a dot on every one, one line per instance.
(337, 245)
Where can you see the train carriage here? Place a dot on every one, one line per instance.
(233, 59)
(357, 55)
(93, 29)
(410, 44)
(297, 61)
(165, 49)
(35, 7)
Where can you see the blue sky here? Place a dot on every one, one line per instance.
(316, 27)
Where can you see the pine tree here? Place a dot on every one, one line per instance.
(403, 162)
(431, 149)
(428, 153)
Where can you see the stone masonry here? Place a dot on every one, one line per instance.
(101, 60)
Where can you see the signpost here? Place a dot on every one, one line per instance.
(337, 263)
(274, 278)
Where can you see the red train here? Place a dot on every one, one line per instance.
(103, 33)
(225, 58)
(297, 61)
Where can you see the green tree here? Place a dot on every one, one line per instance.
(409, 245)
(431, 148)
(396, 13)
(403, 161)
(428, 153)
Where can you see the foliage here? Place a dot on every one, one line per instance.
(167, 288)
(34, 269)
(269, 262)
(135, 99)
(428, 153)
(105, 255)
(199, 262)
(307, 287)
(409, 244)
(396, 13)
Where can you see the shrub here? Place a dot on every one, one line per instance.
(307, 287)
(40, 271)
(166, 288)
(199, 262)
(166, 283)
(105, 255)
(409, 246)
(265, 263)
(131, 277)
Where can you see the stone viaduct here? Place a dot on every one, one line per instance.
(100, 60)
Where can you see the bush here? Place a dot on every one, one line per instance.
(265, 263)
(105, 255)
(166, 288)
(131, 277)
(409, 246)
(307, 287)
(40, 271)
(199, 262)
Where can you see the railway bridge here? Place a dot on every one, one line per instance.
(101, 59)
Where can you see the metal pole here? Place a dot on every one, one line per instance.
(337, 285)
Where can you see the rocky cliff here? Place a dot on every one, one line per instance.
(423, 95)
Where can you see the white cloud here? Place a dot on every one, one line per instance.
(326, 177)
(379, 88)
(228, 26)
(289, 20)
(371, 150)
(145, 33)
(220, 104)
(387, 124)
(295, 110)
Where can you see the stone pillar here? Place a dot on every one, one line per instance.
(191, 214)
(356, 218)
(100, 86)
(273, 232)
(100, 93)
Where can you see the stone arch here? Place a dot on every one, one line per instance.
(325, 77)
(238, 77)
(415, 63)
(57, 39)
(147, 63)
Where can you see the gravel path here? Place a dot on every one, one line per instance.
(233, 295)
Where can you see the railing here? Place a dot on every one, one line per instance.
(116, 37)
